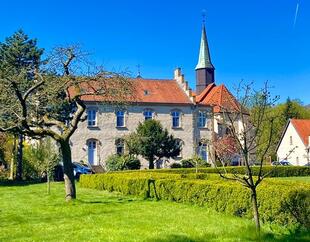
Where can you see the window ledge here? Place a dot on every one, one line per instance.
(121, 127)
(204, 128)
(93, 127)
(177, 128)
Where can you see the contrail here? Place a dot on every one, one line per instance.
(296, 14)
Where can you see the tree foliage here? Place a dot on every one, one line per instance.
(17, 53)
(153, 142)
(50, 103)
(281, 113)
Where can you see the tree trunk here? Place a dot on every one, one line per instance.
(255, 208)
(13, 160)
(151, 164)
(19, 165)
(48, 182)
(68, 170)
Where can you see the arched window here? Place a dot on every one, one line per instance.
(148, 114)
(203, 151)
(176, 119)
(180, 144)
(120, 119)
(120, 146)
(92, 151)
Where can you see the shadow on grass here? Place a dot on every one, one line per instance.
(111, 201)
(12, 183)
(242, 236)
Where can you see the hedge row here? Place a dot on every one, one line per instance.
(283, 202)
(280, 171)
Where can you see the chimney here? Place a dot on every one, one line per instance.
(177, 73)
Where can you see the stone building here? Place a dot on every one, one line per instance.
(190, 117)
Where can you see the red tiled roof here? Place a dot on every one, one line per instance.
(302, 127)
(219, 97)
(152, 91)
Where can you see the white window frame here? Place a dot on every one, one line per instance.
(176, 114)
(202, 119)
(148, 114)
(120, 143)
(203, 148)
(93, 145)
(120, 116)
(92, 117)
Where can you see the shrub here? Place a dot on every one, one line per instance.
(213, 192)
(280, 171)
(175, 165)
(125, 162)
(187, 163)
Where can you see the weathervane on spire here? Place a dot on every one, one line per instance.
(203, 15)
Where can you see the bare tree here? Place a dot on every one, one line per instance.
(245, 126)
(53, 104)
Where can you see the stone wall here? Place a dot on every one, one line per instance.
(106, 131)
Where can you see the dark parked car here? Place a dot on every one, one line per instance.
(281, 163)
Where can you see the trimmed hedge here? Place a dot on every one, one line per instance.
(280, 171)
(276, 199)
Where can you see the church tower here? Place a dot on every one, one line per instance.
(204, 69)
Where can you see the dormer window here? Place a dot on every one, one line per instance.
(92, 117)
(148, 114)
(146, 92)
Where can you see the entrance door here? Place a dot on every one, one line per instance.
(92, 152)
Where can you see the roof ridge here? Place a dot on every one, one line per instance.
(205, 92)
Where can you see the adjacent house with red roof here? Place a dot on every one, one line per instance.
(295, 141)
(187, 115)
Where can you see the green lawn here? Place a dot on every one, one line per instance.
(28, 214)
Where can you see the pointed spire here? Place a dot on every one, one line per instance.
(204, 60)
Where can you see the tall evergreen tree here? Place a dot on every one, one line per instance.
(290, 111)
(19, 52)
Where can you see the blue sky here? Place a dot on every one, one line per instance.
(252, 40)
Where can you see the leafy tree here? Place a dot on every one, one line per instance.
(19, 52)
(41, 158)
(51, 102)
(153, 142)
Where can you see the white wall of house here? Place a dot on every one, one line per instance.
(105, 132)
(291, 141)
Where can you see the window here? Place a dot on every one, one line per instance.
(119, 144)
(120, 119)
(203, 151)
(180, 144)
(175, 119)
(92, 117)
(92, 152)
(148, 114)
(202, 119)
(291, 140)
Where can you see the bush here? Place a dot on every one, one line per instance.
(175, 165)
(193, 162)
(280, 171)
(187, 163)
(212, 191)
(125, 162)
